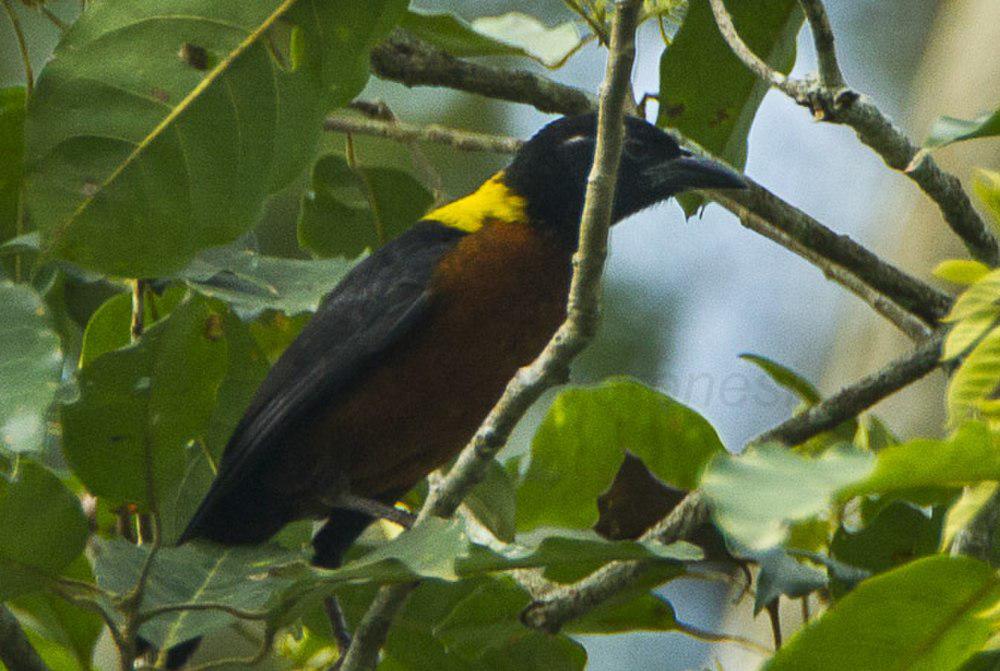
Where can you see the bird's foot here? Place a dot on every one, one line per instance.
(375, 509)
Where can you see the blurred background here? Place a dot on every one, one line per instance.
(684, 298)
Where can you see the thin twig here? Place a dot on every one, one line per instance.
(839, 104)
(16, 651)
(405, 132)
(864, 393)
(22, 44)
(826, 54)
(413, 62)
(552, 364)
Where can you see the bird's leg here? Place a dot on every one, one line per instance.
(373, 508)
(339, 625)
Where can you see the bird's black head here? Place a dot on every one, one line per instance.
(551, 171)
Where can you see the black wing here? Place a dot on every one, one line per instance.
(376, 304)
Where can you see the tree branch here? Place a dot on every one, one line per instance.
(839, 104)
(406, 133)
(412, 62)
(554, 606)
(16, 651)
(864, 393)
(552, 364)
(829, 70)
(905, 301)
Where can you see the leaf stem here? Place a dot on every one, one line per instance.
(15, 22)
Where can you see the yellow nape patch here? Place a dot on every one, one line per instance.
(492, 202)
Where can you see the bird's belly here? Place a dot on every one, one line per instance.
(497, 302)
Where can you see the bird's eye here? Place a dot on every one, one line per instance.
(636, 149)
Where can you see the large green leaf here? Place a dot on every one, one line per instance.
(971, 455)
(252, 283)
(755, 496)
(159, 128)
(513, 34)
(581, 444)
(139, 406)
(30, 363)
(236, 577)
(929, 615)
(42, 529)
(947, 129)
(348, 211)
(705, 91)
(974, 390)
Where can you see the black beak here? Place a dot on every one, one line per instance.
(693, 172)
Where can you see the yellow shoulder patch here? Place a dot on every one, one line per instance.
(492, 201)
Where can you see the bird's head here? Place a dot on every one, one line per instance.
(550, 171)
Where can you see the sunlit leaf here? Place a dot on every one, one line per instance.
(756, 495)
(930, 615)
(580, 445)
(30, 364)
(977, 382)
(983, 296)
(987, 188)
(965, 509)
(961, 271)
(42, 529)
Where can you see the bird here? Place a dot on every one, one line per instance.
(406, 355)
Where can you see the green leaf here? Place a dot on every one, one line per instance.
(967, 457)
(513, 34)
(30, 363)
(64, 634)
(125, 436)
(537, 651)
(349, 211)
(718, 115)
(756, 496)
(138, 158)
(899, 533)
(493, 502)
(968, 332)
(961, 271)
(974, 389)
(780, 574)
(110, 326)
(947, 130)
(486, 618)
(12, 149)
(983, 296)
(633, 609)
(965, 509)
(194, 573)
(42, 529)
(987, 188)
(581, 443)
(929, 615)
(252, 283)
(785, 377)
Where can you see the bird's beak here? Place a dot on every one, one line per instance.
(694, 172)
